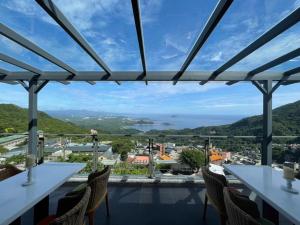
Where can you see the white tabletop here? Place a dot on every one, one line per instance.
(16, 199)
(266, 183)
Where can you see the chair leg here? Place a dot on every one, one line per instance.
(91, 217)
(107, 205)
(205, 208)
(223, 220)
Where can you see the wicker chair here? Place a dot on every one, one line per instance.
(7, 171)
(70, 210)
(98, 182)
(214, 193)
(241, 210)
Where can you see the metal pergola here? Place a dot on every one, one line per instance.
(33, 79)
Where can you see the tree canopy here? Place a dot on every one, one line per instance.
(194, 158)
(122, 145)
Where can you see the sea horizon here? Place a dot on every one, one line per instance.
(181, 121)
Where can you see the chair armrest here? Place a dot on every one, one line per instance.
(78, 190)
(238, 193)
(67, 203)
(244, 203)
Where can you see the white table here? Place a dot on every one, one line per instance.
(16, 199)
(266, 183)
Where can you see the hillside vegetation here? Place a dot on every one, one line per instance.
(14, 119)
(286, 121)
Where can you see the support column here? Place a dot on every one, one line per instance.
(266, 158)
(32, 118)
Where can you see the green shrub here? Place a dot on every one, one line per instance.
(193, 158)
(124, 156)
(3, 149)
(121, 145)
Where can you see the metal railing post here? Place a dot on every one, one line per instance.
(151, 164)
(95, 146)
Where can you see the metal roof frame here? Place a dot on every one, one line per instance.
(152, 76)
(209, 27)
(271, 64)
(279, 28)
(139, 31)
(91, 77)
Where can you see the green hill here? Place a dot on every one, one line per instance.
(286, 121)
(15, 119)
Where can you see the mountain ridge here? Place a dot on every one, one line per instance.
(286, 121)
(14, 119)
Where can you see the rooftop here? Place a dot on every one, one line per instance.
(11, 138)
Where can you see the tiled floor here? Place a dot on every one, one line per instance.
(146, 205)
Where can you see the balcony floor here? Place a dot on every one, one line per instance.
(146, 205)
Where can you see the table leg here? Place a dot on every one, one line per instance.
(41, 210)
(270, 213)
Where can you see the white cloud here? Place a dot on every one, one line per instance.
(217, 57)
(160, 90)
(10, 45)
(150, 10)
(295, 59)
(250, 23)
(173, 42)
(28, 8)
(170, 56)
(275, 48)
(109, 41)
(297, 4)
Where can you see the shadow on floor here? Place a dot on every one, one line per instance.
(146, 205)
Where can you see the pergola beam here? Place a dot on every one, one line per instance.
(41, 85)
(25, 86)
(91, 82)
(19, 64)
(209, 27)
(9, 82)
(292, 71)
(64, 82)
(289, 83)
(271, 64)
(139, 31)
(259, 86)
(14, 36)
(152, 76)
(275, 62)
(4, 72)
(56, 14)
(59, 17)
(279, 28)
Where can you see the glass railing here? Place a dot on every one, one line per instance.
(153, 156)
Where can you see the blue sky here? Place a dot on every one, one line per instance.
(170, 29)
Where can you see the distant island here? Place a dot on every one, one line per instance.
(141, 122)
(166, 124)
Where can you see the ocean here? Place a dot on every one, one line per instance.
(165, 122)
